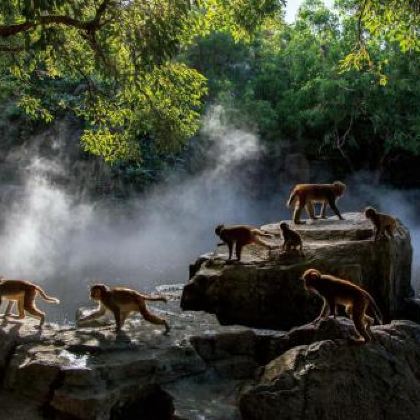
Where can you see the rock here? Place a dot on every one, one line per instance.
(265, 290)
(90, 373)
(152, 403)
(333, 380)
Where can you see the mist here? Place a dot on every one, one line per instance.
(52, 237)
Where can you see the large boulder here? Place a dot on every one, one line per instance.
(333, 380)
(265, 290)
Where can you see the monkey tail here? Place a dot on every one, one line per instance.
(148, 297)
(292, 199)
(263, 233)
(376, 311)
(46, 297)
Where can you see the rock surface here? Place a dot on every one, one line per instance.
(90, 373)
(333, 380)
(198, 370)
(265, 289)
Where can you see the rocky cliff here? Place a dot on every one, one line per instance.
(265, 289)
(206, 371)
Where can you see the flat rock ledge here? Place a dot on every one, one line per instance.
(264, 290)
(201, 370)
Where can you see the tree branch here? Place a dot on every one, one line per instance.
(89, 26)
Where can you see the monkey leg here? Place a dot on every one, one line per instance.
(230, 246)
(238, 250)
(117, 315)
(35, 312)
(21, 308)
(333, 308)
(9, 308)
(331, 202)
(359, 310)
(310, 210)
(123, 317)
(323, 214)
(296, 215)
(301, 250)
(324, 312)
(154, 319)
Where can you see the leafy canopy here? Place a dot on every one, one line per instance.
(117, 58)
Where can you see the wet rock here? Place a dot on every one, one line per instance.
(92, 373)
(333, 380)
(265, 289)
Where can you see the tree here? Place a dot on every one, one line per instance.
(394, 22)
(119, 59)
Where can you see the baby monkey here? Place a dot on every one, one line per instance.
(291, 238)
(121, 302)
(335, 291)
(24, 292)
(240, 235)
(383, 223)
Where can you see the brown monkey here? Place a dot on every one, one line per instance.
(291, 238)
(383, 223)
(337, 291)
(241, 235)
(121, 302)
(304, 195)
(24, 292)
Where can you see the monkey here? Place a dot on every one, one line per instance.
(24, 292)
(241, 235)
(335, 291)
(304, 195)
(291, 238)
(121, 302)
(384, 223)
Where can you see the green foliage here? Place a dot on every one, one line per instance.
(298, 96)
(121, 58)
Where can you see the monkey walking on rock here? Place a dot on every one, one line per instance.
(241, 235)
(122, 302)
(335, 291)
(305, 195)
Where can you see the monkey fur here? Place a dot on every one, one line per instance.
(335, 291)
(305, 195)
(24, 292)
(292, 239)
(384, 224)
(240, 235)
(121, 302)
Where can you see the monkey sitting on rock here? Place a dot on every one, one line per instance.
(335, 291)
(292, 239)
(384, 223)
(241, 235)
(122, 302)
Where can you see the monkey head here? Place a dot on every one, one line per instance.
(339, 187)
(370, 212)
(309, 276)
(218, 229)
(97, 290)
(284, 226)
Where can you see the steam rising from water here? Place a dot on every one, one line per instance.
(52, 238)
